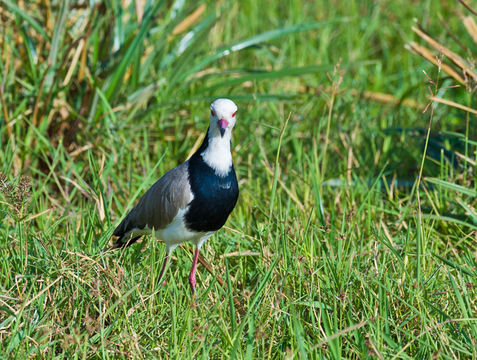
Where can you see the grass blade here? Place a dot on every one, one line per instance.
(452, 187)
(112, 85)
(24, 15)
(261, 38)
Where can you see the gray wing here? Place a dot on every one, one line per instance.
(160, 204)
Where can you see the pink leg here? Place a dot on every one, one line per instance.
(192, 271)
(166, 258)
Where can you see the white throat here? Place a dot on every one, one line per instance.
(217, 155)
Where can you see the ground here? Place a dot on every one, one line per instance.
(355, 231)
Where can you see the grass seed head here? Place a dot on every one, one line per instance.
(17, 196)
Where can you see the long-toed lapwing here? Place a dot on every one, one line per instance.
(193, 200)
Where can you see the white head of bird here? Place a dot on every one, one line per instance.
(222, 120)
(222, 117)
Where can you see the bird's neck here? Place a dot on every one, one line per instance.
(215, 152)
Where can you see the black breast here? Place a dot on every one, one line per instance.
(214, 196)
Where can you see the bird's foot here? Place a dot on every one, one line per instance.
(194, 302)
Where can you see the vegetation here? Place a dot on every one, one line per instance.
(356, 229)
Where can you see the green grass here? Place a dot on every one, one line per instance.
(335, 249)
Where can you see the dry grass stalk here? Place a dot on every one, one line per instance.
(386, 98)
(461, 69)
(431, 57)
(453, 104)
(140, 4)
(468, 7)
(189, 20)
(448, 53)
(471, 27)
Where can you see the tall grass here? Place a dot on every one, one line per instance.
(336, 248)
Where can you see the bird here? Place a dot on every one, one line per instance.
(193, 200)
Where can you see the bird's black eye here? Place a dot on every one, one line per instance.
(233, 115)
(212, 112)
